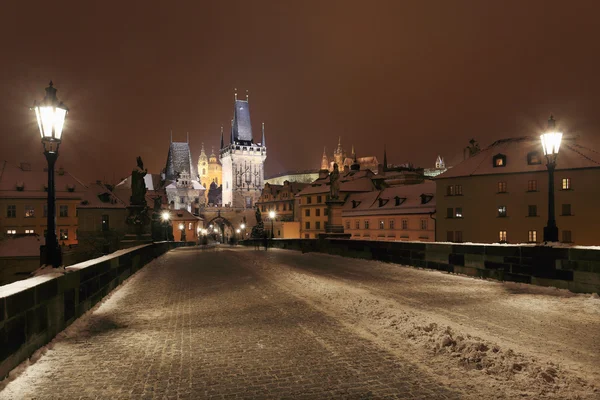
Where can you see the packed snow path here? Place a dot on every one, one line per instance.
(230, 323)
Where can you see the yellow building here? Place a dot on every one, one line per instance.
(500, 194)
(311, 210)
(209, 170)
(183, 220)
(23, 201)
(403, 212)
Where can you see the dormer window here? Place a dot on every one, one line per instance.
(104, 197)
(399, 200)
(534, 158)
(355, 203)
(499, 160)
(383, 202)
(426, 198)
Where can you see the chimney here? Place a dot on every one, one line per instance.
(25, 166)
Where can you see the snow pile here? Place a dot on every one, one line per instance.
(487, 368)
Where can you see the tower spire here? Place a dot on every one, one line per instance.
(324, 160)
(232, 141)
(235, 93)
(222, 142)
(264, 141)
(247, 95)
(188, 137)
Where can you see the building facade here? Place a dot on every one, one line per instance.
(242, 161)
(500, 194)
(400, 213)
(24, 200)
(280, 199)
(182, 187)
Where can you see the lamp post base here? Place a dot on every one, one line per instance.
(551, 234)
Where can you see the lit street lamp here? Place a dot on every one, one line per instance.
(165, 216)
(243, 228)
(182, 229)
(51, 114)
(551, 144)
(272, 216)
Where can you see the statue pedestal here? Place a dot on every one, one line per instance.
(138, 227)
(334, 229)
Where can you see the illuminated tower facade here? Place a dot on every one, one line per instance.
(242, 160)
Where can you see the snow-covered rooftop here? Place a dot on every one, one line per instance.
(518, 152)
(411, 201)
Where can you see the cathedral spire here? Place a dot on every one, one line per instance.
(222, 143)
(235, 93)
(264, 141)
(247, 95)
(232, 140)
(353, 152)
(324, 160)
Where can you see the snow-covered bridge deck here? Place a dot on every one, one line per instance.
(281, 324)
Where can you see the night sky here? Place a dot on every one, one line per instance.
(422, 77)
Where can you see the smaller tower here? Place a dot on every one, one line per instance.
(264, 141)
(439, 163)
(385, 163)
(324, 161)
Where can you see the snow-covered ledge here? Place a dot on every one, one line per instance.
(576, 268)
(34, 310)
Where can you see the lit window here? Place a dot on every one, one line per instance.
(502, 236)
(11, 211)
(391, 224)
(190, 226)
(532, 211)
(404, 224)
(502, 211)
(566, 183)
(29, 231)
(499, 160)
(532, 186)
(381, 224)
(566, 237)
(566, 209)
(29, 211)
(458, 212)
(366, 224)
(532, 236)
(458, 190)
(64, 234)
(501, 187)
(424, 224)
(11, 232)
(534, 158)
(450, 190)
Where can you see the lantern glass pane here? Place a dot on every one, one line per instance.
(59, 121)
(551, 142)
(39, 120)
(47, 120)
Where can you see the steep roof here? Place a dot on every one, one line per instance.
(570, 156)
(383, 202)
(242, 128)
(24, 182)
(183, 215)
(359, 182)
(179, 159)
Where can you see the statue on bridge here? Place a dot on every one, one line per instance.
(334, 179)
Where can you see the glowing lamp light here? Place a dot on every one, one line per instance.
(243, 226)
(165, 216)
(551, 142)
(216, 230)
(181, 226)
(238, 230)
(50, 114)
(272, 214)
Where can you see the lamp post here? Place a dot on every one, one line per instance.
(165, 216)
(272, 216)
(182, 229)
(243, 228)
(51, 114)
(551, 144)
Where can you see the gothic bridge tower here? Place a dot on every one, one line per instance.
(242, 160)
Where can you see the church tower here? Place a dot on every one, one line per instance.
(242, 161)
(339, 155)
(202, 166)
(324, 161)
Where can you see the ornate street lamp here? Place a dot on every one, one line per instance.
(551, 144)
(243, 228)
(272, 216)
(51, 114)
(165, 216)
